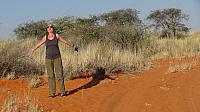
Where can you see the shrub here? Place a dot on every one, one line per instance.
(31, 29)
(15, 59)
(35, 82)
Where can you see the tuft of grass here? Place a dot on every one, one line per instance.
(4, 90)
(10, 105)
(16, 104)
(171, 69)
(181, 67)
(25, 104)
(35, 82)
(11, 76)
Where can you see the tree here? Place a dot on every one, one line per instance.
(169, 21)
(31, 29)
(123, 28)
(123, 17)
(64, 25)
(82, 30)
(87, 28)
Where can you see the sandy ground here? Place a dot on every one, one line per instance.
(150, 91)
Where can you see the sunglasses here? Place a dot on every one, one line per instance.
(50, 27)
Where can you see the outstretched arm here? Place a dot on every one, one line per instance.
(64, 41)
(67, 42)
(42, 41)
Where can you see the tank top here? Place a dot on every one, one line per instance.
(52, 49)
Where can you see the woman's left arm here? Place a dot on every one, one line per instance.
(64, 41)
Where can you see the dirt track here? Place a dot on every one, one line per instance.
(150, 91)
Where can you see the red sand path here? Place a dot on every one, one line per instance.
(150, 91)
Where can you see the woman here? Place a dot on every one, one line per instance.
(53, 60)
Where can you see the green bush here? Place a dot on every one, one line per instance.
(15, 59)
(123, 37)
(31, 29)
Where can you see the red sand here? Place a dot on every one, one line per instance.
(150, 91)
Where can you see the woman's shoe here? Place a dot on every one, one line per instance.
(52, 95)
(63, 94)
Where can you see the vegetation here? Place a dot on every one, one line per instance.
(114, 40)
(15, 60)
(169, 21)
(117, 40)
(32, 29)
(21, 104)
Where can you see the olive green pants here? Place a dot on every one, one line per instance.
(55, 71)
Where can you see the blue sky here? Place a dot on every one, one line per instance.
(15, 12)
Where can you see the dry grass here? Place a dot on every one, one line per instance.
(4, 90)
(11, 76)
(95, 55)
(109, 56)
(14, 58)
(188, 46)
(25, 104)
(181, 67)
(35, 82)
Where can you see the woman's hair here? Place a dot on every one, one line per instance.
(54, 30)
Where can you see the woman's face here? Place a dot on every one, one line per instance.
(50, 29)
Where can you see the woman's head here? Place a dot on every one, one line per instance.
(51, 29)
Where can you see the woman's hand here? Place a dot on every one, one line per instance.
(31, 51)
(42, 41)
(75, 47)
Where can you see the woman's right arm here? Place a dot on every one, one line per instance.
(42, 41)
